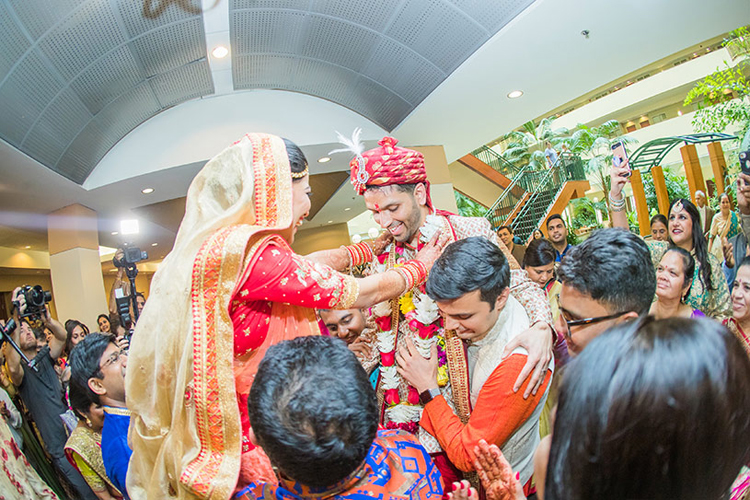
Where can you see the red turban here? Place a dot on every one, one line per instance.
(388, 165)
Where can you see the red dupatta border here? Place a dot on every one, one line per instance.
(212, 401)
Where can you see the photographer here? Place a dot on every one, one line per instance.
(125, 260)
(40, 387)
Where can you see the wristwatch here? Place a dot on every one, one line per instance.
(427, 396)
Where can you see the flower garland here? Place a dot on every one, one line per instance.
(423, 317)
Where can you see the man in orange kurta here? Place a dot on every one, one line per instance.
(469, 283)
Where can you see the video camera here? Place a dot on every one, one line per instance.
(36, 299)
(131, 255)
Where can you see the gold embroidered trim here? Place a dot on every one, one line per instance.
(116, 411)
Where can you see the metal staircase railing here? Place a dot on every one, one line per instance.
(503, 206)
(497, 162)
(544, 188)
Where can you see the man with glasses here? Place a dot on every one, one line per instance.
(606, 280)
(97, 366)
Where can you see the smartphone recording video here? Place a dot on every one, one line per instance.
(620, 157)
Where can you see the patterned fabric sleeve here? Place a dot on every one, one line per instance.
(531, 296)
(718, 303)
(92, 478)
(657, 250)
(280, 275)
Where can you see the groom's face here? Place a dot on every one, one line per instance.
(399, 212)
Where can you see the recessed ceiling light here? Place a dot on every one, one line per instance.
(347, 209)
(147, 190)
(324, 159)
(330, 222)
(154, 244)
(115, 233)
(515, 94)
(679, 112)
(27, 247)
(220, 52)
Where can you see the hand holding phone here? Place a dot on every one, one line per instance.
(620, 158)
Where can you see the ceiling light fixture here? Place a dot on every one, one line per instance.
(27, 247)
(515, 94)
(347, 209)
(330, 222)
(154, 244)
(147, 190)
(220, 52)
(324, 159)
(115, 233)
(129, 226)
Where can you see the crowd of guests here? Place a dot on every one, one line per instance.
(454, 360)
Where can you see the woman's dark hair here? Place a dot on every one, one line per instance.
(313, 410)
(533, 233)
(700, 245)
(652, 409)
(659, 218)
(70, 325)
(688, 265)
(744, 262)
(80, 402)
(539, 253)
(297, 160)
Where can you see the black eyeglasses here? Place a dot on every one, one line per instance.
(588, 321)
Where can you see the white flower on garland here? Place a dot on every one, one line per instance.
(390, 377)
(432, 226)
(403, 413)
(424, 345)
(382, 309)
(425, 309)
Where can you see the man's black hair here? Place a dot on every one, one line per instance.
(614, 267)
(553, 217)
(467, 265)
(313, 410)
(85, 362)
(507, 228)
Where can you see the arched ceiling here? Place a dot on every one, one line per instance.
(76, 76)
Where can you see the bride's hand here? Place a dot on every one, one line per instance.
(433, 249)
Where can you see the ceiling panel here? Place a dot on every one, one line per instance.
(359, 52)
(110, 76)
(13, 43)
(24, 95)
(83, 37)
(78, 75)
(183, 83)
(172, 46)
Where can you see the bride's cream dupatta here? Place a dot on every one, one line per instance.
(185, 429)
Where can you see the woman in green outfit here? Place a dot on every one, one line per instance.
(709, 292)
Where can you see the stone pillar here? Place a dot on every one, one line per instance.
(441, 186)
(692, 169)
(660, 187)
(641, 208)
(718, 165)
(75, 267)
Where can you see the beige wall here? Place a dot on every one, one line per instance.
(441, 187)
(474, 185)
(321, 238)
